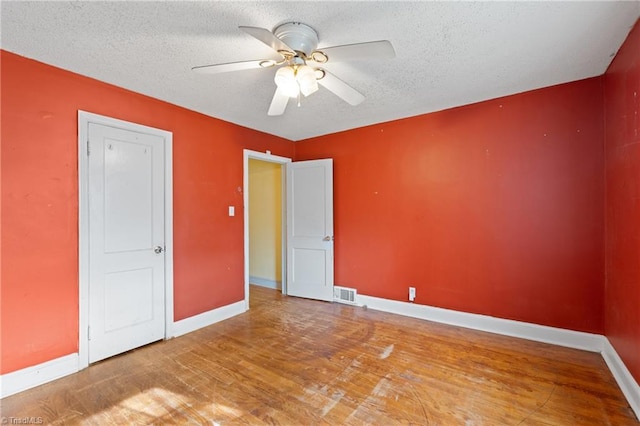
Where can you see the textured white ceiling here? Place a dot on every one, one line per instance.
(448, 53)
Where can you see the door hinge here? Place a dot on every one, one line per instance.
(88, 149)
(89, 333)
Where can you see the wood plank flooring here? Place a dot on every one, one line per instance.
(293, 361)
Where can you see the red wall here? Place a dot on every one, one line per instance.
(622, 217)
(493, 208)
(39, 305)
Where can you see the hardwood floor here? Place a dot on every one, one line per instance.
(300, 362)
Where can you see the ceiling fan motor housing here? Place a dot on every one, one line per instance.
(298, 36)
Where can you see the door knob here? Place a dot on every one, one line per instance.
(327, 238)
(158, 249)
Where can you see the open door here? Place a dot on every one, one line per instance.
(310, 229)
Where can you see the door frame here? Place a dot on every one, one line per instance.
(268, 157)
(84, 118)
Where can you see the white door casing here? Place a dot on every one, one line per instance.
(126, 267)
(310, 229)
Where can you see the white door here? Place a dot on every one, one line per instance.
(126, 240)
(310, 229)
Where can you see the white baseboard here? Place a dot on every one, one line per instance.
(539, 333)
(627, 383)
(263, 282)
(204, 319)
(27, 378)
(30, 377)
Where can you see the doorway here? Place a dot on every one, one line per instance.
(307, 226)
(265, 224)
(264, 221)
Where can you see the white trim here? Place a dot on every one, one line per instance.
(168, 234)
(256, 155)
(30, 377)
(627, 383)
(264, 282)
(208, 318)
(539, 333)
(84, 118)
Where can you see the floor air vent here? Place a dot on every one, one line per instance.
(344, 295)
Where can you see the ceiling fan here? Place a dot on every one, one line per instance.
(296, 46)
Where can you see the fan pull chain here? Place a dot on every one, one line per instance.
(298, 99)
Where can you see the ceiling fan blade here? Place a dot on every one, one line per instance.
(381, 49)
(278, 103)
(267, 38)
(228, 67)
(341, 89)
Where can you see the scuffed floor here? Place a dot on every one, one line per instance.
(293, 361)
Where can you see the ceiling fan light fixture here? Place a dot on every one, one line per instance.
(286, 81)
(306, 78)
(295, 79)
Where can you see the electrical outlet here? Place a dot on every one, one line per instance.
(412, 294)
